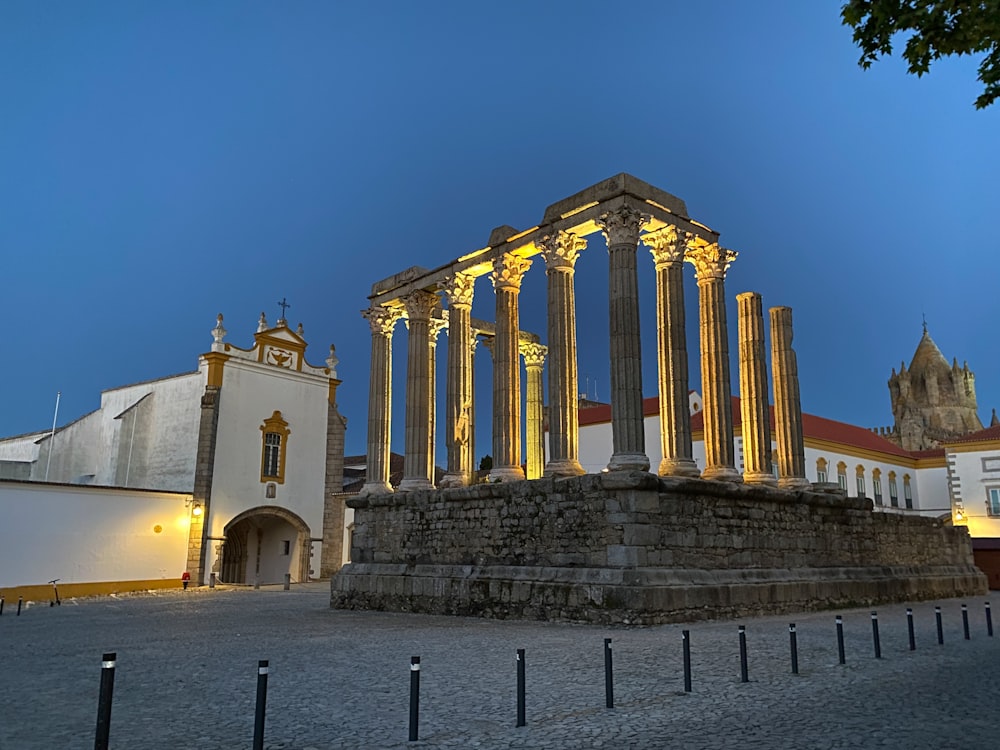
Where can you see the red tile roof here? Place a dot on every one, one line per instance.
(990, 433)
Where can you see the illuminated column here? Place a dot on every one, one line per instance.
(787, 406)
(458, 289)
(560, 253)
(508, 270)
(417, 467)
(435, 326)
(621, 229)
(710, 263)
(381, 320)
(470, 445)
(534, 360)
(667, 246)
(753, 391)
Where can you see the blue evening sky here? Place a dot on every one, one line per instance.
(161, 162)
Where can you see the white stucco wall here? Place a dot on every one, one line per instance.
(89, 534)
(20, 447)
(972, 477)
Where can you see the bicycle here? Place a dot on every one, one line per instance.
(55, 590)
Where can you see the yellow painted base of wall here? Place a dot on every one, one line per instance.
(43, 592)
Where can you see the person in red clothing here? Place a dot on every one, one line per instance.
(185, 579)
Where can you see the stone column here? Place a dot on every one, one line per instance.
(417, 468)
(435, 327)
(667, 246)
(710, 263)
(754, 411)
(560, 253)
(458, 290)
(621, 229)
(381, 320)
(534, 361)
(508, 270)
(787, 406)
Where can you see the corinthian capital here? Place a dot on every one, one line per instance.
(508, 270)
(710, 260)
(382, 319)
(534, 354)
(561, 250)
(458, 288)
(622, 226)
(420, 304)
(667, 246)
(437, 325)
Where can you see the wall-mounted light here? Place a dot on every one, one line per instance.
(196, 510)
(959, 515)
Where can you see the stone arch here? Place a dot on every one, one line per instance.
(267, 546)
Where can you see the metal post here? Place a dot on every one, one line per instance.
(414, 697)
(104, 701)
(256, 583)
(609, 685)
(288, 581)
(1, 606)
(520, 687)
(840, 639)
(686, 640)
(793, 644)
(211, 580)
(258, 719)
(20, 601)
(875, 639)
(989, 621)
(940, 627)
(965, 621)
(909, 627)
(743, 654)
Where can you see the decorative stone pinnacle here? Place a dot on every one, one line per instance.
(420, 304)
(300, 330)
(459, 288)
(622, 226)
(262, 323)
(219, 332)
(332, 360)
(382, 319)
(534, 354)
(667, 245)
(508, 270)
(561, 250)
(710, 260)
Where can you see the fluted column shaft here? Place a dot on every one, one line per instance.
(507, 273)
(560, 253)
(534, 361)
(621, 229)
(667, 247)
(382, 320)
(435, 327)
(754, 410)
(787, 404)
(710, 262)
(458, 290)
(417, 468)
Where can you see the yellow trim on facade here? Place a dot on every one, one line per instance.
(333, 389)
(935, 462)
(274, 424)
(851, 450)
(43, 592)
(216, 364)
(973, 447)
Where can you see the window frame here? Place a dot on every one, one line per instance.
(277, 427)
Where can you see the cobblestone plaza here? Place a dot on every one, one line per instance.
(187, 670)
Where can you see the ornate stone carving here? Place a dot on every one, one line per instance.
(382, 319)
(710, 260)
(508, 270)
(534, 354)
(667, 246)
(459, 288)
(436, 326)
(622, 226)
(419, 305)
(560, 251)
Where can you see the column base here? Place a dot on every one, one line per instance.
(794, 483)
(376, 488)
(412, 484)
(506, 474)
(564, 467)
(761, 478)
(678, 467)
(629, 462)
(722, 474)
(453, 480)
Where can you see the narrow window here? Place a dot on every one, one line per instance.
(286, 547)
(842, 475)
(877, 486)
(860, 474)
(821, 470)
(274, 448)
(907, 492)
(993, 506)
(893, 492)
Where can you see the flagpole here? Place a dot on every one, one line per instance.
(52, 436)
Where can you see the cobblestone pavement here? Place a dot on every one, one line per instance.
(187, 672)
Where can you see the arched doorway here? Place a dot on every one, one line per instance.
(263, 544)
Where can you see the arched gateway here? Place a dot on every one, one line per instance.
(263, 544)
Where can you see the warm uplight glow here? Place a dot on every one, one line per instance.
(196, 510)
(959, 515)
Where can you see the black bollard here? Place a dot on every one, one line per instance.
(103, 731)
(940, 627)
(686, 639)
(288, 581)
(414, 697)
(743, 654)
(1, 606)
(875, 639)
(520, 688)
(258, 719)
(989, 621)
(840, 639)
(20, 601)
(793, 644)
(909, 627)
(965, 621)
(256, 583)
(211, 580)
(609, 685)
